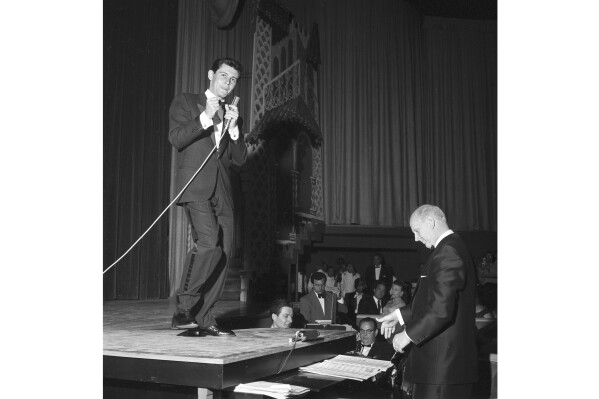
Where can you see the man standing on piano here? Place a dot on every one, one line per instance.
(197, 129)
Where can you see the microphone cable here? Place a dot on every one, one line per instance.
(295, 339)
(225, 128)
(165, 209)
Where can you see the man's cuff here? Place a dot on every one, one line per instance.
(399, 318)
(401, 322)
(205, 121)
(341, 301)
(234, 133)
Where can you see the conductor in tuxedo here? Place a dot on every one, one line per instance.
(320, 304)
(196, 128)
(378, 272)
(441, 329)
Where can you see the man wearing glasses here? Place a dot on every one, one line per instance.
(368, 345)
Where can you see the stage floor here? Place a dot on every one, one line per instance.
(139, 345)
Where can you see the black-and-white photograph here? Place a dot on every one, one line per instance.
(326, 172)
(298, 198)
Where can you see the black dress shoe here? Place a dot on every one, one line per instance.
(192, 332)
(216, 331)
(183, 321)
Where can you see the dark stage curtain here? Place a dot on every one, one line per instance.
(140, 42)
(408, 108)
(408, 113)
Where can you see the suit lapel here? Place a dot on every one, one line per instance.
(215, 121)
(372, 352)
(373, 304)
(328, 301)
(425, 271)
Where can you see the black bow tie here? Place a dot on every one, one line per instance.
(376, 267)
(320, 295)
(369, 345)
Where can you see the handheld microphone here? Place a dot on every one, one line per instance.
(227, 122)
(306, 335)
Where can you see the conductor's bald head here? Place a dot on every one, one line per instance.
(428, 223)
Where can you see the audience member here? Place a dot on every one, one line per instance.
(376, 303)
(378, 272)
(353, 300)
(320, 304)
(348, 280)
(281, 312)
(368, 345)
(331, 280)
(341, 267)
(321, 269)
(400, 296)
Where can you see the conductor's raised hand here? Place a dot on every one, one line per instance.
(388, 324)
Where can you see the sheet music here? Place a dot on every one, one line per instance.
(367, 361)
(272, 389)
(350, 367)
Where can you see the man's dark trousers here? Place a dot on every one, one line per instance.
(203, 280)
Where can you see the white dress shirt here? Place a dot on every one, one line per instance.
(377, 272)
(321, 300)
(366, 350)
(442, 236)
(378, 304)
(358, 299)
(207, 122)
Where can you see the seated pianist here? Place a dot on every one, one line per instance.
(320, 304)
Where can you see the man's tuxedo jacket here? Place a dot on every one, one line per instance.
(194, 143)
(351, 301)
(386, 276)
(368, 305)
(379, 350)
(311, 310)
(442, 321)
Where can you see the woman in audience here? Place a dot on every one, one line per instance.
(400, 296)
(348, 280)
